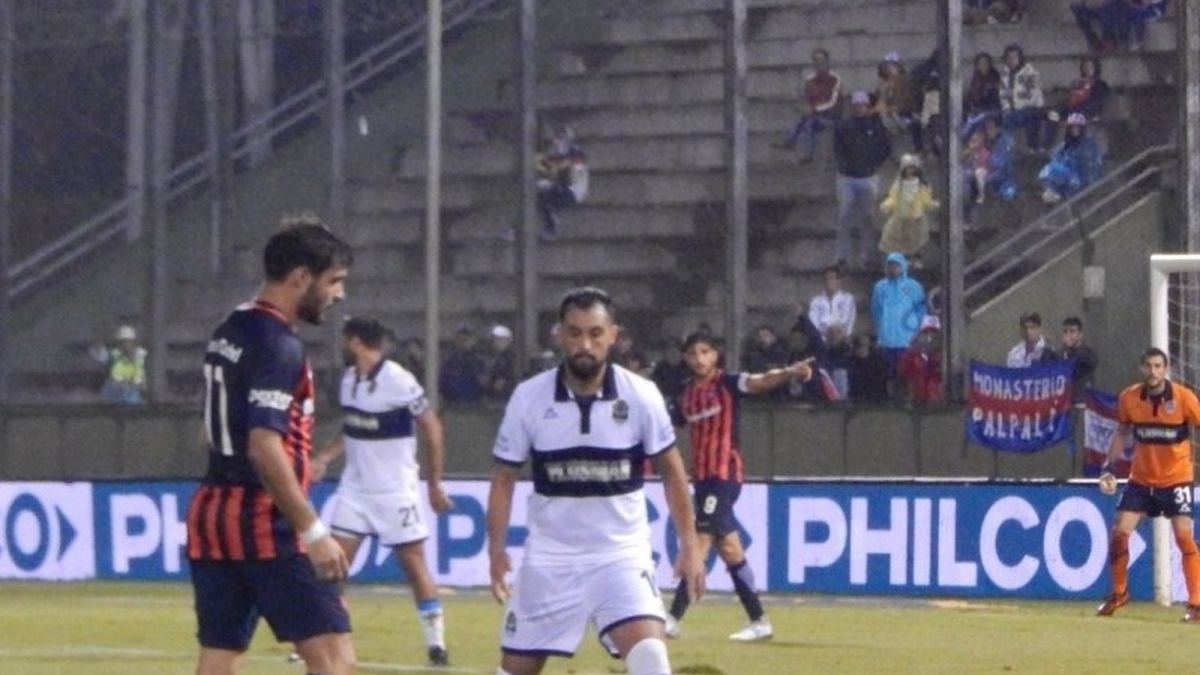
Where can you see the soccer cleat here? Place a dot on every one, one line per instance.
(756, 630)
(1112, 603)
(1192, 615)
(438, 656)
(673, 627)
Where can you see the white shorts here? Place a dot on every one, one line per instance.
(395, 517)
(550, 608)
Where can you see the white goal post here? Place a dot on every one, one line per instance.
(1174, 328)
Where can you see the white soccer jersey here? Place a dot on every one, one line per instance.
(588, 457)
(378, 429)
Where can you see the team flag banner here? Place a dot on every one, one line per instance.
(1019, 409)
(1099, 424)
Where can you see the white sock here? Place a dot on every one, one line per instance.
(648, 657)
(433, 625)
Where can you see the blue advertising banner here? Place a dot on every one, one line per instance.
(1015, 540)
(1019, 409)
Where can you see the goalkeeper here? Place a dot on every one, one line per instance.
(1159, 413)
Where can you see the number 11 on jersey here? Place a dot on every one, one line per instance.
(216, 427)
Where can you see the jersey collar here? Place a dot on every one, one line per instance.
(608, 391)
(1167, 395)
(268, 308)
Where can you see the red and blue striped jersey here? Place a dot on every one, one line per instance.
(257, 376)
(711, 409)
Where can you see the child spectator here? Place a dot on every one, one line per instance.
(1087, 95)
(1074, 164)
(1021, 96)
(1000, 176)
(1032, 349)
(976, 160)
(868, 372)
(1076, 350)
(921, 365)
(562, 179)
(982, 97)
(765, 351)
(822, 105)
(833, 306)
(893, 97)
(907, 228)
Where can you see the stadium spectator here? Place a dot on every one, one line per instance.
(765, 350)
(868, 371)
(861, 145)
(1032, 348)
(928, 114)
(710, 404)
(1075, 349)
(1088, 93)
(627, 354)
(1120, 22)
(412, 357)
(805, 344)
(833, 306)
(1000, 175)
(909, 200)
(897, 306)
(976, 163)
(921, 365)
(1021, 97)
(502, 364)
(893, 95)
(1075, 164)
(993, 11)
(822, 106)
(562, 179)
(463, 372)
(982, 97)
(125, 364)
(670, 372)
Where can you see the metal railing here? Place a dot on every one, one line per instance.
(42, 265)
(1054, 231)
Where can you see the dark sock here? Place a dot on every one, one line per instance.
(743, 583)
(679, 604)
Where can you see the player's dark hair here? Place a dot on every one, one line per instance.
(303, 241)
(822, 51)
(370, 332)
(585, 298)
(696, 337)
(832, 269)
(1155, 351)
(1031, 317)
(1074, 322)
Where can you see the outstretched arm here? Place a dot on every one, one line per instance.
(760, 383)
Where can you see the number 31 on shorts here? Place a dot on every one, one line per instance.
(1183, 498)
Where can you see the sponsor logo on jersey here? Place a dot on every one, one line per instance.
(225, 349)
(579, 470)
(269, 398)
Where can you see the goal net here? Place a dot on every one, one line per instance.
(1174, 328)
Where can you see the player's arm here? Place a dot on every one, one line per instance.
(688, 567)
(760, 383)
(270, 462)
(1120, 438)
(328, 455)
(433, 437)
(499, 511)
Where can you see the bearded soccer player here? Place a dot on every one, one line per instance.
(1159, 413)
(710, 403)
(587, 428)
(255, 543)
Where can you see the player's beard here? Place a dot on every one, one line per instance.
(312, 306)
(584, 366)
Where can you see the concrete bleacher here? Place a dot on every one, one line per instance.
(642, 85)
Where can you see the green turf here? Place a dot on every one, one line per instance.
(124, 628)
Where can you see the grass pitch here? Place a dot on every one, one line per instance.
(125, 628)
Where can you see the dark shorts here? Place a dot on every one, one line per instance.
(1171, 501)
(714, 499)
(230, 596)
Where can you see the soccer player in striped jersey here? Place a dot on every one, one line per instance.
(255, 544)
(383, 406)
(710, 405)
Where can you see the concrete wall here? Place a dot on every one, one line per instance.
(1117, 325)
(93, 442)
